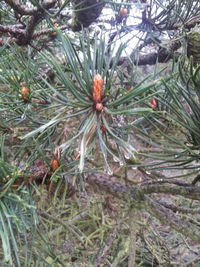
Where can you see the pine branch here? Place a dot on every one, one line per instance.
(15, 30)
(133, 228)
(183, 210)
(104, 250)
(25, 36)
(162, 56)
(137, 192)
(185, 191)
(168, 217)
(47, 31)
(21, 9)
(25, 10)
(189, 24)
(136, 195)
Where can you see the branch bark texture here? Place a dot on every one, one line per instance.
(138, 196)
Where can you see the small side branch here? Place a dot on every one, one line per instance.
(183, 210)
(168, 217)
(191, 192)
(133, 225)
(106, 247)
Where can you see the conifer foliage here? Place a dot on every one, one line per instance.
(98, 94)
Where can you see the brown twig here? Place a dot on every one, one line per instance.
(106, 247)
(183, 210)
(189, 191)
(168, 217)
(133, 228)
(48, 31)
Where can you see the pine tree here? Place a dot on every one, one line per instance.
(99, 132)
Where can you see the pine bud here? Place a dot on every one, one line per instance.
(103, 128)
(153, 103)
(97, 88)
(123, 13)
(54, 34)
(99, 106)
(54, 165)
(25, 93)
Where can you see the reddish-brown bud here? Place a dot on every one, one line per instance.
(97, 88)
(123, 12)
(99, 106)
(54, 164)
(103, 128)
(25, 93)
(153, 103)
(53, 34)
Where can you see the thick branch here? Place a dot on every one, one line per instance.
(141, 201)
(137, 196)
(24, 37)
(162, 56)
(137, 192)
(33, 21)
(49, 4)
(11, 29)
(21, 9)
(117, 189)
